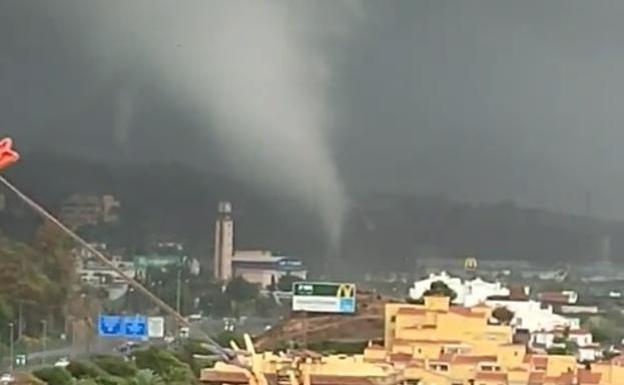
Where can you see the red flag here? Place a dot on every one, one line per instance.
(8, 156)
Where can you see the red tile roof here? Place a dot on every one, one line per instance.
(317, 379)
(618, 360)
(418, 327)
(586, 377)
(464, 311)
(400, 357)
(446, 357)
(465, 359)
(419, 341)
(537, 361)
(554, 297)
(411, 311)
(491, 376)
(563, 379)
(536, 378)
(217, 376)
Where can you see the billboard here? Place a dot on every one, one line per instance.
(156, 327)
(324, 297)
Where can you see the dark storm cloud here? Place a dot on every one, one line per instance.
(480, 100)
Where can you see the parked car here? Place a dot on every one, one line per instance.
(62, 363)
(127, 347)
(7, 378)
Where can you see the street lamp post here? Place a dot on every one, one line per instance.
(179, 284)
(11, 352)
(44, 337)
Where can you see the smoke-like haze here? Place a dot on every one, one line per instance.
(480, 100)
(250, 71)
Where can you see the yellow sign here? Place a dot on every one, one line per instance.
(470, 264)
(346, 290)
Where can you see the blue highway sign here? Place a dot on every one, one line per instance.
(110, 326)
(135, 327)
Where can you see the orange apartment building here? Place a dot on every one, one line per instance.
(430, 344)
(440, 344)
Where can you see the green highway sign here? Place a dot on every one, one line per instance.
(156, 261)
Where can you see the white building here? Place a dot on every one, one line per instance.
(224, 243)
(534, 316)
(469, 293)
(582, 338)
(95, 274)
(265, 269)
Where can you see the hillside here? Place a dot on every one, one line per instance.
(384, 233)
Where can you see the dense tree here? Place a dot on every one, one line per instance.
(503, 315)
(166, 365)
(239, 290)
(147, 377)
(440, 289)
(54, 376)
(285, 282)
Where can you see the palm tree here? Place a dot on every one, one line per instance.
(147, 377)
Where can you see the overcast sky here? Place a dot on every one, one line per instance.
(479, 100)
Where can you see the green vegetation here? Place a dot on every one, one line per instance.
(440, 289)
(166, 365)
(84, 369)
(152, 366)
(36, 278)
(286, 282)
(503, 315)
(338, 347)
(115, 366)
(225, 337)
(601, 328)
(437, 289)
(54, 376)
(565, 348)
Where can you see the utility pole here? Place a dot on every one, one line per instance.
(20, 319)
(179, 285)
(11, 352)
(44, 337)
(179, 290)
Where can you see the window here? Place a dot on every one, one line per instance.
(393, 319)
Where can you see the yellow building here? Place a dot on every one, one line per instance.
(304, 369)
(430, 344)
(440, 344)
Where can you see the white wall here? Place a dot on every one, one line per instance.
(581, 339)
(469, 293)
(530, 315)
(543, 339)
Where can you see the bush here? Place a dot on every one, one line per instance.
(116, 366)
(113, 380)
(337, 347)
(164, 364)
(84, 369)
(86, 381)
(224, 338)
(54, 376)
(147, 377)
